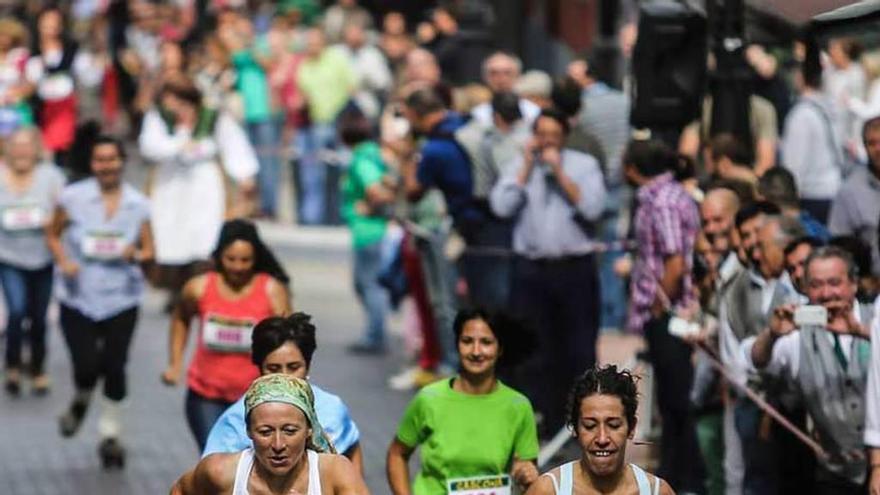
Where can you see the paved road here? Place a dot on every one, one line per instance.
(34, 459)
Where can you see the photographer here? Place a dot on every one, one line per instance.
(827, 363)
(553, 193)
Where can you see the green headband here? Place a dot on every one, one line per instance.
(288, 390)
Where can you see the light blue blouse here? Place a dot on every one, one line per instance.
(106, 285)
(229, 433)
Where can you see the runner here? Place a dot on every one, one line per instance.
(99, 233)
(473, 430)
(286, 345)
(248, 285)
(29, 189)
(602, 417)
(290, 453)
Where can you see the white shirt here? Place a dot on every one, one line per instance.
(811, 147)
(482, 113)
(786, 355)
(872, 393)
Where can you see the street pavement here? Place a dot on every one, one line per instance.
(35, 459)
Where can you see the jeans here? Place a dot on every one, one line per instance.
(759, 454)
(314, 204)
(201, 414)
(613, 286)
(373, 297)
(439, 276)
(99, 349)
(27, 294)
(265, 137)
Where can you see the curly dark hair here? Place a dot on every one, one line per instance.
(607, 380)
(275, 331)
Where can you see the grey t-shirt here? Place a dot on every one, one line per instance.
(23, 215)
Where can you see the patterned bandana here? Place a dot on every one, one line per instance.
(288, 390)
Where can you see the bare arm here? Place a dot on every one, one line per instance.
(279, 297)
(542, 486)
(54, 229)
(411, 185)
(397, 467)
(874, 471)
(346, 480)
(378, 195)
(356, 455)
(765, 155)
(180, 323)
(524, 473)
(212, 475)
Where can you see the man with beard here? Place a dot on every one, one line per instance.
(827, 364)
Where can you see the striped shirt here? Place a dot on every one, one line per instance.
(666, 224)
(605, 115)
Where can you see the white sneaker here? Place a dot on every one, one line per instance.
(405, 380)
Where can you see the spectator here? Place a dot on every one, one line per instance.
(14, 109)
(811, 147)
(554, 193)
(364, 197)
(327, 82)
(341, 14)
(535, 86)
(666, 225)
(861, 254)
(421, 67)
(837, 353)
(395, 42)
(448, 43)
(845, 78)
(796, 254)
(370, 69)
(777, 185)
(729, 160)
(856, 209)
(500, 72)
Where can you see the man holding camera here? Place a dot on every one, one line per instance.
(822, 349)
(554, 194)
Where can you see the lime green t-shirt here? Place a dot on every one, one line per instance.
(365, 170)
(463, 435)
(327, 83)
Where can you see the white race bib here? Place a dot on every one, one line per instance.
(227, 334)
(103, 245)
(479, 485)
(55, 86)
(23, 217)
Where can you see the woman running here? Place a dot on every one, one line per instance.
(29, 190)
(99, 235)
(290, 453)
(286, 345)
(247, 286)
(602, 417)
(473, 430)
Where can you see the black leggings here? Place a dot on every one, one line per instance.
(99, 349)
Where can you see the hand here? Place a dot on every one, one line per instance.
(623, 266)
(553, 158)
(171, 375)
(841, 320)
(782, 320)
(524, 473)
(874, 482)
(130, 253)
(69, 268)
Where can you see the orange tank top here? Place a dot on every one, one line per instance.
(221, 368)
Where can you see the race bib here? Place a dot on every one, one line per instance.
(227, 334)
(104, 246)
(55, 87)
(480, 485)
(23, 217)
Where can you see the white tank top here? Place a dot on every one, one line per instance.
(565, 484)
(246, 465)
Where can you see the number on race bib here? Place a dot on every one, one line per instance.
(23, 217)
(227, 334)
(480, 485)
(104, 246)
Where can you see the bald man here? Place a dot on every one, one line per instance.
(717, 213)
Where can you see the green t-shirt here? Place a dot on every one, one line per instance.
(253, 86)
(464, 435)
(365, 170)
(327, 83)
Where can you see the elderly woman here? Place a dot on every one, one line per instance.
(29, 189)
(290, 452)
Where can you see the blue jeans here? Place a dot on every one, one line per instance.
(613, 313)
(440, 276)
(759, 455)
(373, 297)
(27, 294)
(201, 414)
(265, 137)
(313, 205)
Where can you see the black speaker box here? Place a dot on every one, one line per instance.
(669, 65)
